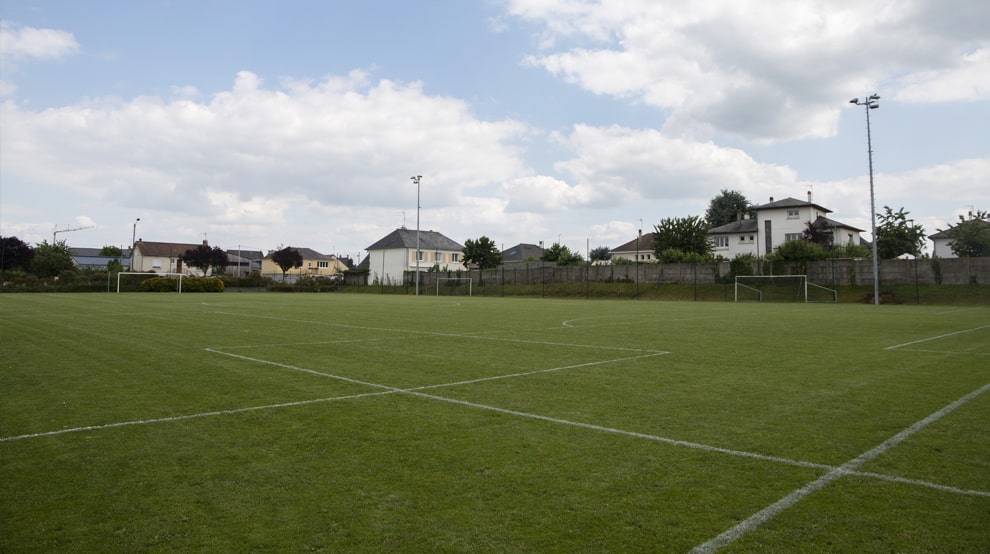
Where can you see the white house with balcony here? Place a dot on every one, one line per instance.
(395, 254)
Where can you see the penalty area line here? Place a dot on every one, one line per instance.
(895, 347)
(766, 514)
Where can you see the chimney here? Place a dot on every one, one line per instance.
(771, 199)
(809, 197)
(739, 216)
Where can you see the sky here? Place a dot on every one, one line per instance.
(261, 124)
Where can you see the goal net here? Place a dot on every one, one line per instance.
(781, 288)
(454, 286)
(130, 281)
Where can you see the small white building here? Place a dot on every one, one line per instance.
(395, 254)
(942, 241)
(162, 257)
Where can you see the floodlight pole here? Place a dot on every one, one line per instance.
(416, 180)
(871, 102)
(133, 242)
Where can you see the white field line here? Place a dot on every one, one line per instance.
(895, 347)
(450, 335)
(415, 391)
(192, 416)
(792, 498)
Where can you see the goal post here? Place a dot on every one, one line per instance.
(781, 288)
(179, 277)
(453, 286)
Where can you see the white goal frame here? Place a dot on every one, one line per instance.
(179, 275)
(445, 279)
(804, 284)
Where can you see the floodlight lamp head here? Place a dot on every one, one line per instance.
(875, 97)
(854, 101)
(874, 105)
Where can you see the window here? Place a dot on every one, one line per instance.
(455, 257)
(792, 236)
(322, 264)
(438, 256)
(156, 263)
(419, 255)
(721, 242)
(793, 214)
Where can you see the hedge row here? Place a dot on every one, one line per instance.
(189, 284)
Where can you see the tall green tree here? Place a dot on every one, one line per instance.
(15, 254)
(687, 234)
(286, 258)
(562, 255)
(896, 235)
(725, 207)
(482, 252)
(52, 259)
(600, 254)
(817, 231)
(111, 251)
(204, 257)
(971, 237)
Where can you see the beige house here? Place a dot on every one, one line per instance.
(314, 264)
(161, 257)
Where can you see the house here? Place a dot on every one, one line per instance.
(244, 262)
(521, 253)
(314, 264)
(161, 257)
(90, 258)
(639, 249)
(395, 254)
(776, 223)
(942, 241)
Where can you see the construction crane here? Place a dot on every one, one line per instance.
(57, 230)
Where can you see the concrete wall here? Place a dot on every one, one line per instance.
(950, 271)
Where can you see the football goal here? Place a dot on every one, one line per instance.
(131, 281)
(454, 286)
(781, 288)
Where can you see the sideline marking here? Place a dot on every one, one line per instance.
(792, 498)
(938, 337)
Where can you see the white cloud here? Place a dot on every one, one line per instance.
(760, 71)
(968, 80)
(622, 164)
(18, 42)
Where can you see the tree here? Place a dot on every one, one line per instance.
(205, 258)
(286, 258)
(817, 231)
(799, 251)
(600, 254)
(896, 235)
(51, 260)
(971, 237)
(111, 252)
(482, 252)
(687, 234)
(15, 254)
(726, 207)
(561, 255)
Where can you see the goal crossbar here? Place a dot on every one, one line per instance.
(751, 288)
(179, 275)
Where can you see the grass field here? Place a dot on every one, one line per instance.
(359, 423)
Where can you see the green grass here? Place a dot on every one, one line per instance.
(370, 423)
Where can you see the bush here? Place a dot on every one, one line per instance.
(189, 284)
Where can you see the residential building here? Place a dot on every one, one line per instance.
(639, 249)
(314, 264)
(162, 257)
(395, 254)
(90, 258)
(521, 253)
(776, 223)
(942, 242)
(244, 262)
